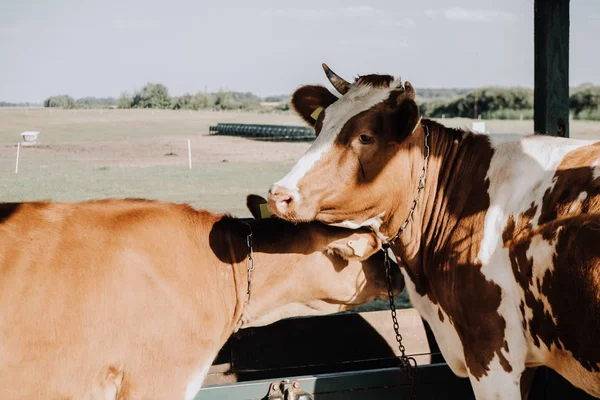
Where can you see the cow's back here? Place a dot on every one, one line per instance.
(552, 234)
(90, 288)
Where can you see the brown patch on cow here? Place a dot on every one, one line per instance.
(521, 227)
(506, 346)
(440, 315)
(457, 232)
(522, 266)
(308, 98)
(571, 290)
(509, 230)
(574, 175)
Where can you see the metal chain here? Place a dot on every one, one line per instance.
(407, 364)
(411, 212)
(249, 262)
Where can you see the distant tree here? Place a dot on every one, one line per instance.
(202, 100)
(282, 98)
(63, 101)
(182, 102)
(585, 98)
(153, 95)
(225, 100)
(25, 104)
(125, 101)
(90, 102)
(485, 102)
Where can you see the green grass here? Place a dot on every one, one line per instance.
(217, 186)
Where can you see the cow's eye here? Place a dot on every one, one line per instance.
(366, 139)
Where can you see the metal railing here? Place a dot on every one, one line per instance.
(263, 132)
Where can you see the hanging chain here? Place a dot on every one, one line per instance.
(249, 263)
(408, 365)
(420, 188)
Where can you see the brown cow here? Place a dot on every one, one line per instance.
(134, 298)
(498, 237)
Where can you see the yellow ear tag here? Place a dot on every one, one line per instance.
(316, 113)
(264, 211)
(359, 246)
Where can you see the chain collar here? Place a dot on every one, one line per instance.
(249, 267)
(249, 262)
(408, 365)
(403, 227)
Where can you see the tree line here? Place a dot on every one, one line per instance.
(156, 95)
(508, 103)
(487, 102)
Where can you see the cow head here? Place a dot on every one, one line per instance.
(363, 139)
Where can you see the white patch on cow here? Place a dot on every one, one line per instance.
(195, 383)
(498, 384)
(576, 205)
(541, 252)
(355, 101)
(498, 270)
(521, 171)
(596, 166)
(445, 333)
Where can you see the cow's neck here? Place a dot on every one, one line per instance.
(455, 194)
(277, 246)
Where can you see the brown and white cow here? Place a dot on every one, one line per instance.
(133, 299)
(502, 253)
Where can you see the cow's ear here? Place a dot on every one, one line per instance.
(405, 116)
(309, 101)
(257, 205)
(356, 246)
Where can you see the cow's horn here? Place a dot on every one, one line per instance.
(338, 83)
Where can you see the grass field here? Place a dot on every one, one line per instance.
(87, 154)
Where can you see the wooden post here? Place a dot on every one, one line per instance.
(551, 40)
(189, 154)
(17, 164)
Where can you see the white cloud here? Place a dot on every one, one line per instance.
(471, 15)
(358, 11)
(405, 23)
(381, 17)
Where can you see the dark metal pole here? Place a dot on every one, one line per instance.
(551, 95)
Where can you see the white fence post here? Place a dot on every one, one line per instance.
(189, 154)
(17, 164)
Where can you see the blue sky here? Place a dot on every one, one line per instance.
(102, 48)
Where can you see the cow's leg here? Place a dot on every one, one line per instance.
(497, 384)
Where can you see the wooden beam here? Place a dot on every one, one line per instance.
(551, 97)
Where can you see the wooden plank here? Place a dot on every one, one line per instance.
(551, 97)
